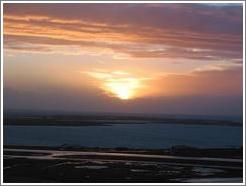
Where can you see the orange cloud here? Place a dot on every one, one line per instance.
(116, 31)
(207, 82)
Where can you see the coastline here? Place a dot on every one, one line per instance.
(97, 165)
(108, 120)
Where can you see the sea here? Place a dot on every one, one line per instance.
(144, 136)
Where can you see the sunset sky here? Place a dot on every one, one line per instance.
(154, 58)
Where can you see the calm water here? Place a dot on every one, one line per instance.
(126, 135)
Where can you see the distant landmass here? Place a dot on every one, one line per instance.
(44, 118)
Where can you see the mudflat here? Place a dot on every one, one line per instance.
(97, 165)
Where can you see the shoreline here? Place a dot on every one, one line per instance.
(178, 150)
(87, 165)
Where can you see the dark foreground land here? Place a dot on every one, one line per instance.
(120, 165)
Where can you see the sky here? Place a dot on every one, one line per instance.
(141, 58)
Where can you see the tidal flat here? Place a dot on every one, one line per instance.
(100, 165)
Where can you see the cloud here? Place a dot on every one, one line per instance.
(213, 81)
(209, 80)
(211, 90)
(191, 31)
(73, 101)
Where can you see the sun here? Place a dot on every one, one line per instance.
(123, 88)
(119, 84)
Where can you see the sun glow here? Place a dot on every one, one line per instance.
(118, 84)
(124, 88)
